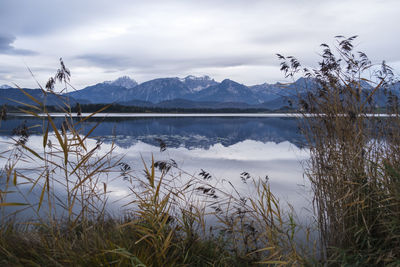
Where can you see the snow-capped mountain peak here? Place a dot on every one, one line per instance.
(123, 81)
(195, 78)
(5, 86)
(196, 84)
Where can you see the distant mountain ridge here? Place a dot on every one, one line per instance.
(159, 90)
(199, 89)
(14, 97)
(100, 93)
(189, 92)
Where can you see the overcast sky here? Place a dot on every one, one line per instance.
(102, 40)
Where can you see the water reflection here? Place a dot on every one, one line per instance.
(189, 132)
(225, 147)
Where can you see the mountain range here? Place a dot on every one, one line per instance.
(188, 92)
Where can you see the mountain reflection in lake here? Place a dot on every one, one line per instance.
(223, 146)
(190, 132)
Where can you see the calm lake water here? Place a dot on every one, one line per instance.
(223, 145)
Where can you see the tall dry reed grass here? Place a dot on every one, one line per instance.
(354, 164)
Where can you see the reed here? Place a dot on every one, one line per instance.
(354, 163)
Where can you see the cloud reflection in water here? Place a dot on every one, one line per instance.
(224, 147)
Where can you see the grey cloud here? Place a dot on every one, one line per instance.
(42, 17)
(105, 60)
(3, 76)
(7, 48)
(226, 61)
(182, 63)
(5, 71)
(232, 38)
(282, 37)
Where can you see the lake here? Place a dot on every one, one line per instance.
(223, 145)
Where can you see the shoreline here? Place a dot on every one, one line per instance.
(143, 115)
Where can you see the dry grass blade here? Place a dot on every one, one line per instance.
(58, 136)
(25, 104)
(84, 159)
(32, 151)
(37, 82)
(89, 176)
(90, 131)
(46, 135)
(29, 112)
(42, 195)
(261, 250)
(373, 92)
(149, 175)
(29, 96)
(15, 178)
(94, 113)
(8, 204)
